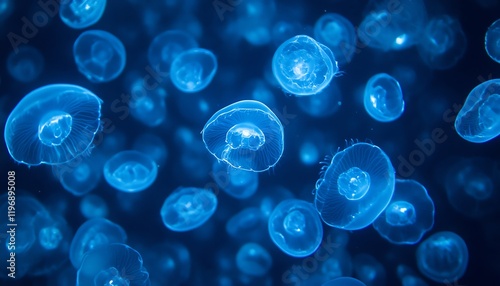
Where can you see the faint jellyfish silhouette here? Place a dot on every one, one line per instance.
(443, 257)
(492, 41)
(302, 66)
(337, 33)
(409, 277)
(80, 14)
(188, 208)
(295, 228)
(6, 9)
(478, 120)
(323, 104)
(93, 206)
(259, 90)
(53, 125)
(369, 270)
(80, 177)
(247, 135)
(148, 105)
(153, 146)
(195, 161)
(99, 55)
(247, 225)
(383, 98)
(254, 17)
(25, 64)
(165, 47)
(195, 108)
(338, 264)
(356, 187)
(253, 259)
(344, 281)
(237, 183)
(193, 70)
(130, 171)
(284, 30)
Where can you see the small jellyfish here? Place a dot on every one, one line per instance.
(443, 257)
(153, 146)
(369, 270)
(79, 177)
(247, 225)
(492, 41)
(295, 228)
(344, 281)
(479, 119)
(165, 47)
(130, 171)
(322, 104)
(188, 208)
(302, 66)
(337, 264)
(80, 14)
(93, 206)
(337, 33)
(356, 187)
(247, 135)
(53, 125)
(147, 104)
(25, 64)
(409, 215)
(193, 70)
(237, 183)
(99, 55)
(383, 98)
(253, 259)
(253, 20)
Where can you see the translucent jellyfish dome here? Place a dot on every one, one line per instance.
(53, 125)
(80, 14)
(246, 135)
(383, 98)
(356, 187)
(478, 120)
(166, 46)
(99, 55)
(295, 228)
(237, 183)
(25, 64)
(443, 257)
(337, 33)
(193, 70)
(253, 259)
(302, 66)
(409, 215)
(148, 104)
(492, 41)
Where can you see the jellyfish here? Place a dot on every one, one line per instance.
(369, 271)
(246, 135)
(443, 43)
(99, 55)
(253, 259)
(25, 64)
(409, 215)
(237, 183)
(478, 120)
(165, 47)
(193, 70)
(443, 257)
(337, 33)
(356, 187)
(259, 90)
(6, 9)
(322, 104)
(130, 171)
(148, 104)
(112, 264)
(188, 208)
(79, 177)
(53, 124)
(80, 14)
(492, 41)
(383, 98)
(253, 20)
(153, 146)
(302, 66)
(93, 206)
(247, 225)
(344, 281)
(337, 264)
(408, 277)
(295, 228)
(194, 159)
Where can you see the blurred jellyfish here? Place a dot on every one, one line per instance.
(478, 120)
(443, 43)
(443, 257)
(130, 171)
(6, 9)
(194, 108)
(253, 259)
(259, 90)
(166, 46)
(247, 135)
(295, 227)
(153, 146)
(253, 20)
(188, 208)
(195, 161)
(409, 215)
(147, 104)
(312, 147)
(93, 206)
(80, 14)
(79, 177)
(91, 234)
(322, 104)
(284, 30)
(112, 264)
(337, 33)
(408, 277)
(99, 55)
(247, 225)
(344, 281)
(25, 64)
(237, 183)
(303, 66)
(337, 264)
(383, 98)
(356, 187)
(369, 271)
(270, 197)
(492, 41)
(193, 70)
(53, 125)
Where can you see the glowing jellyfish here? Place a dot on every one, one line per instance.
(479, 119)
(369, 270)
(25, 64)
(337, 33)
(93, 206)
(344, 281)
(112, 264)
(53, 125)
(99, 55)
(443, 43)
(130, 171)
(247, 225)
(409, 215)
(383, 98)
(492, 41)
(188, 208)
(239, 184)
(80, 14)
(303, 66)
(443, 257)
(295, 227)
(153, 146)
(356, 187)
(165, 47)
(247, 135)
(148, 105)
(253, 259)
(193, 70)
(79, 177)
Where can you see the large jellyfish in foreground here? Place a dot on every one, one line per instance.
(80, 14)
(53, 125)
(356, 187)
(479, 119)
(492, 41)
(247, 135)
(409, 215)
(383, 98)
